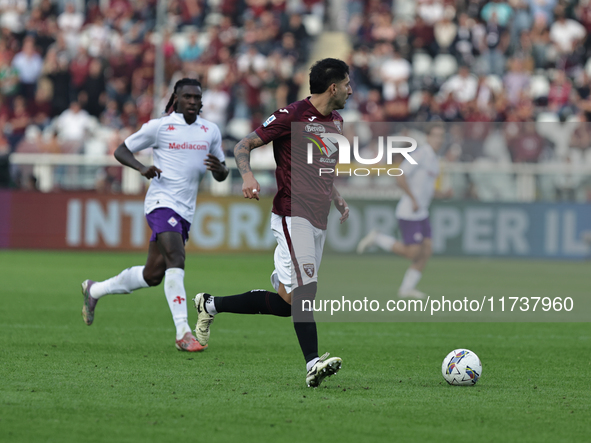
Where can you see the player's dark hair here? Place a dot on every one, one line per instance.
(178, 85)
(325, 72)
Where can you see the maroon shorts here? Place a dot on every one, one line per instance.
(166, 220)
(414, 231)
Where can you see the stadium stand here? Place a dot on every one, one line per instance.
(82, 72)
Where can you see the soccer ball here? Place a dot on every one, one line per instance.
(461, 367)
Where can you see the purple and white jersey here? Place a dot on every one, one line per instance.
(421, 182)
(179, 152)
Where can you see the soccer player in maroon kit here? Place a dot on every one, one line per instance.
(300, 212)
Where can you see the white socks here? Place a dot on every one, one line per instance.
(210, 306)
(174, 289)
(384, 241)
(127, 281)
(410, 280)
(311, 363)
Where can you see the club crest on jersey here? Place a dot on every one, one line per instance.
(315, 128)
(269, 121)
(337, 124)
(309, 269)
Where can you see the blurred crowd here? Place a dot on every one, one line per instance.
(77, 76)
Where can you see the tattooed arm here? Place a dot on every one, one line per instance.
(250, 187)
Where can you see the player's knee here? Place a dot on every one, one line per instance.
(153, 280)
(286, 296)
(414, 252)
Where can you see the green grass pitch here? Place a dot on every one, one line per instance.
(122, 380)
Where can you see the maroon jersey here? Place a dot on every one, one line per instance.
(301, 191)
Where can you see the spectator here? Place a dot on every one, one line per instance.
(462, 86)
(94, 89)
(463, 45)
(193, 50)
(79, 68)
(73, 125)
(431, 11)
(70, 22)
(28, 64)
(527, 146)
(394, 75)
(445, 33)
(542, 9)
(497, 11)
(422, 36)
(560, 93)
(12, 14)
(516, 81)
(17, 122)
(59, 74)
(565, 33)
(9, 79)
(215, 105)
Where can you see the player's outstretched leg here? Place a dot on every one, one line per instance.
(376, 238)
(257, 301)
(324, 367)
(89, 302)
(125, 282)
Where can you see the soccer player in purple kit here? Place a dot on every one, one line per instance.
(185, 146)
(412, 212)
(299, 214)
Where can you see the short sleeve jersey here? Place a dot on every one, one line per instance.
(179, 151)
(301, 191)
(421, 182)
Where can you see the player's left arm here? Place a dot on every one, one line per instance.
(218, 168)
(215, 161)
(340, 204)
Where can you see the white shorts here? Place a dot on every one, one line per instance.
(300, 243)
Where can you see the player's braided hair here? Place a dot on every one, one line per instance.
(171, 105)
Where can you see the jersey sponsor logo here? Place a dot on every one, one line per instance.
(326, 146)
(315, 128)
(331, 161)
(172, 222)
(197, 146)
(170, 128)
(269, 121)
(311, 119)
(284, 110)
(204, 128)
(309, 269)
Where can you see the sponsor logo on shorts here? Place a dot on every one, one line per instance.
(172, 222)
(309, 269)
(197, 146)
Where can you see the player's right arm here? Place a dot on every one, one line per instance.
(250, 186)
(145, 138)
(126, 157)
